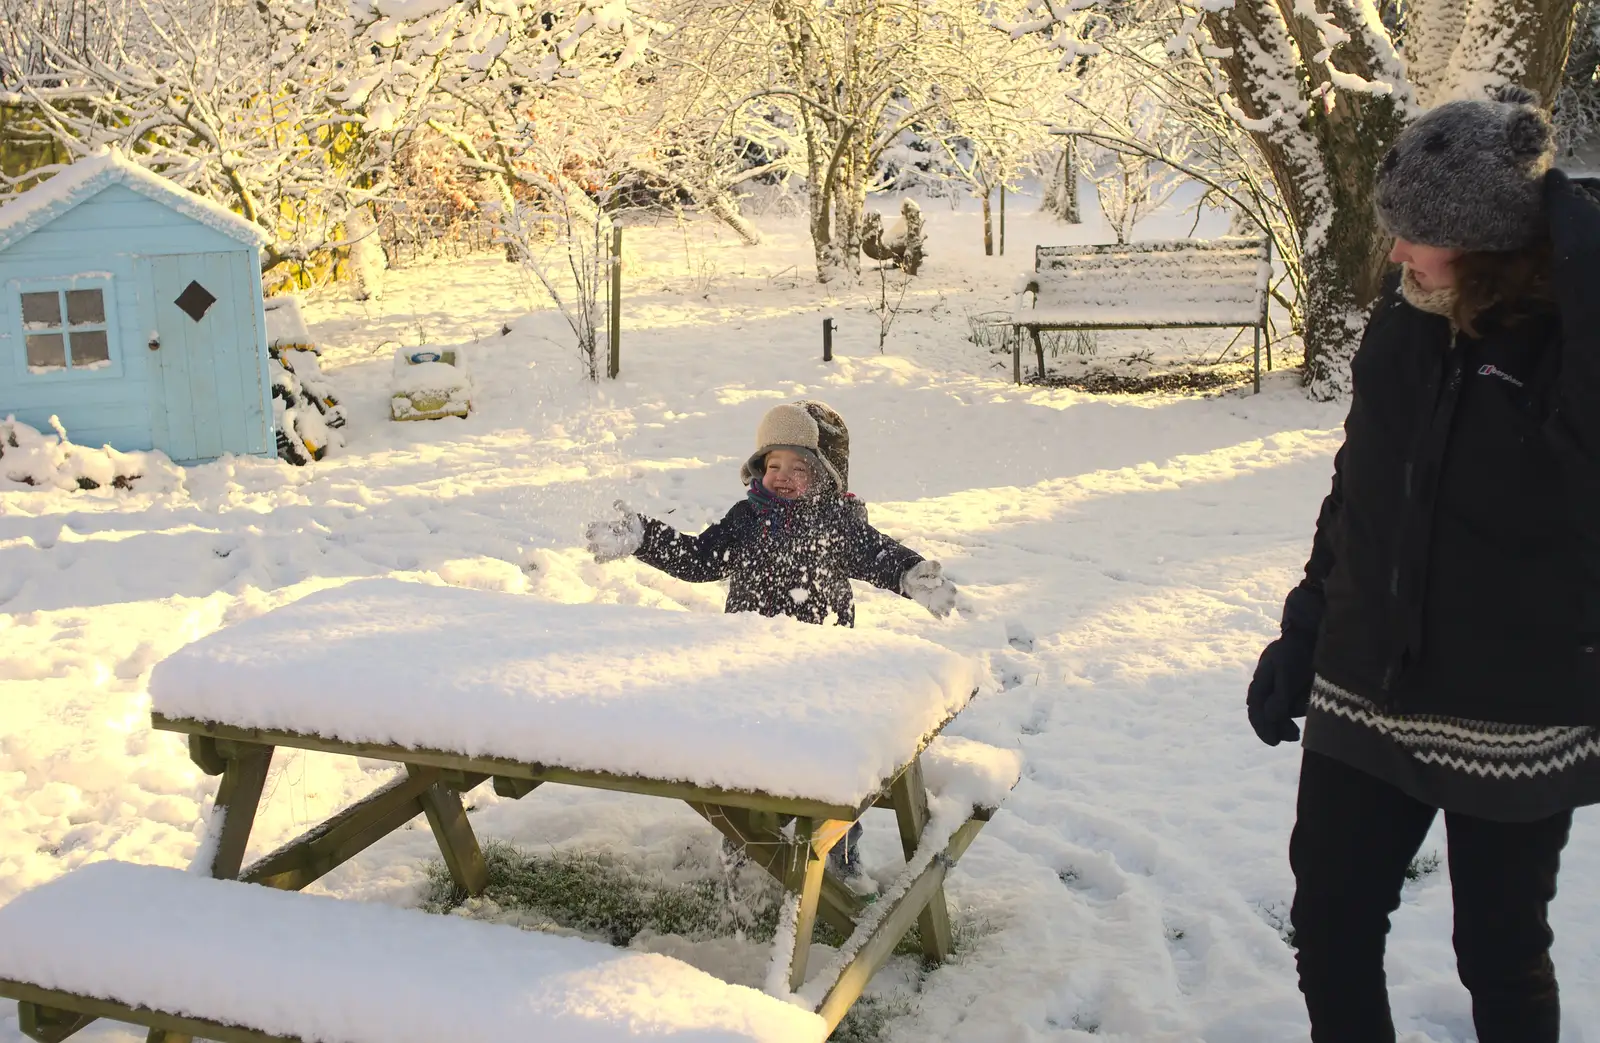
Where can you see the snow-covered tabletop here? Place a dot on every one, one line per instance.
(738, 703)
(324, 969)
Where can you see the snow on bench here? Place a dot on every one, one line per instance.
(731, 702)
(1172, 284)
(150, 939)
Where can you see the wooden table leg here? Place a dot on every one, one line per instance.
(243, 767)
(909, 794)
(839, 906)
(802, 884)
(244, 774)
(49, 1024)
(457, 843)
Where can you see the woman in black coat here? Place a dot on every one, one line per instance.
(1443, 644)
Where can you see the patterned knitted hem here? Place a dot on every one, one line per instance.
(1508, 772)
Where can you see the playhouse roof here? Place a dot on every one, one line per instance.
(48, 200)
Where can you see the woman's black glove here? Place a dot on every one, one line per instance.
(1281, 688)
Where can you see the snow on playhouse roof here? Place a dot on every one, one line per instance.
(735, 702)
(85, 178)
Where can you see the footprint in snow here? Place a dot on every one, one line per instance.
(1019, 637)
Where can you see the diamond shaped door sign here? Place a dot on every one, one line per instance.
(195, 300)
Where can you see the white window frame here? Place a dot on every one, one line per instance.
(101, 281)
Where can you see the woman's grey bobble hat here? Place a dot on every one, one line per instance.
(1468, 175)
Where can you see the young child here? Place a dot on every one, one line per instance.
(796, 540)
(790, 547)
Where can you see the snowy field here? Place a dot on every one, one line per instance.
(1123, 560)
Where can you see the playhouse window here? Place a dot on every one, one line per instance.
(65, 329)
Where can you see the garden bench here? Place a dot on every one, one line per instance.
(1174, 284)
(463, 686)
(189, 956)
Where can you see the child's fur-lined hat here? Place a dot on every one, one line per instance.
(810, 428)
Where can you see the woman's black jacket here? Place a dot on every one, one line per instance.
(1456, 565)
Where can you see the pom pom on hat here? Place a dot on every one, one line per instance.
(1469, 174)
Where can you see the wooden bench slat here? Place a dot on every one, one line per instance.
(86, 1009)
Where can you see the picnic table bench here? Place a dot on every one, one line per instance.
(1173, 284)
(463, 687)
(189, 956)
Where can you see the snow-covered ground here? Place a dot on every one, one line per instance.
(1123, 561)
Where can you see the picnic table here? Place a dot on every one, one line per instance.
(778, 734)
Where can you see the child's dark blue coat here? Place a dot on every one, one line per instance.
(784, 557)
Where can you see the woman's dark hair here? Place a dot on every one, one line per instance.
(1520, 279)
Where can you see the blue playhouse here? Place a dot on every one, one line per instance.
(131, 310)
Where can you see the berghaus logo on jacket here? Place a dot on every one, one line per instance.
(1489, 369)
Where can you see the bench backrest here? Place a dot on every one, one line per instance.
(1172, 281)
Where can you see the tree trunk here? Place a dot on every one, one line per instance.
(806, 72)
(1432, 32)
(1061, 195)
(1509, 41)
(988, 227)
(1324, 165)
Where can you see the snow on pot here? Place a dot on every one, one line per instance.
(430, 383)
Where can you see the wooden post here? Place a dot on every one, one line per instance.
(1038, 350)
(910, 796)
(614, 327)
(827, 340)
(1016, 354)
(1257, 366)
(1266, 304)
(1002, 220)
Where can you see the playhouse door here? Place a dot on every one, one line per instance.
(206, 396)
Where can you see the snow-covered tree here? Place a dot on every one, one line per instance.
(34, 33)
(991, 130)
(541, 103)
(829, 90)
(1121, 104)
(221, 98)
(1322, 87)
(1577, 109)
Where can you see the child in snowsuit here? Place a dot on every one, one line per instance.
(796, 540)
(792, 545)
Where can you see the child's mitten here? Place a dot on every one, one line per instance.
(615, 537)
(925, 584)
